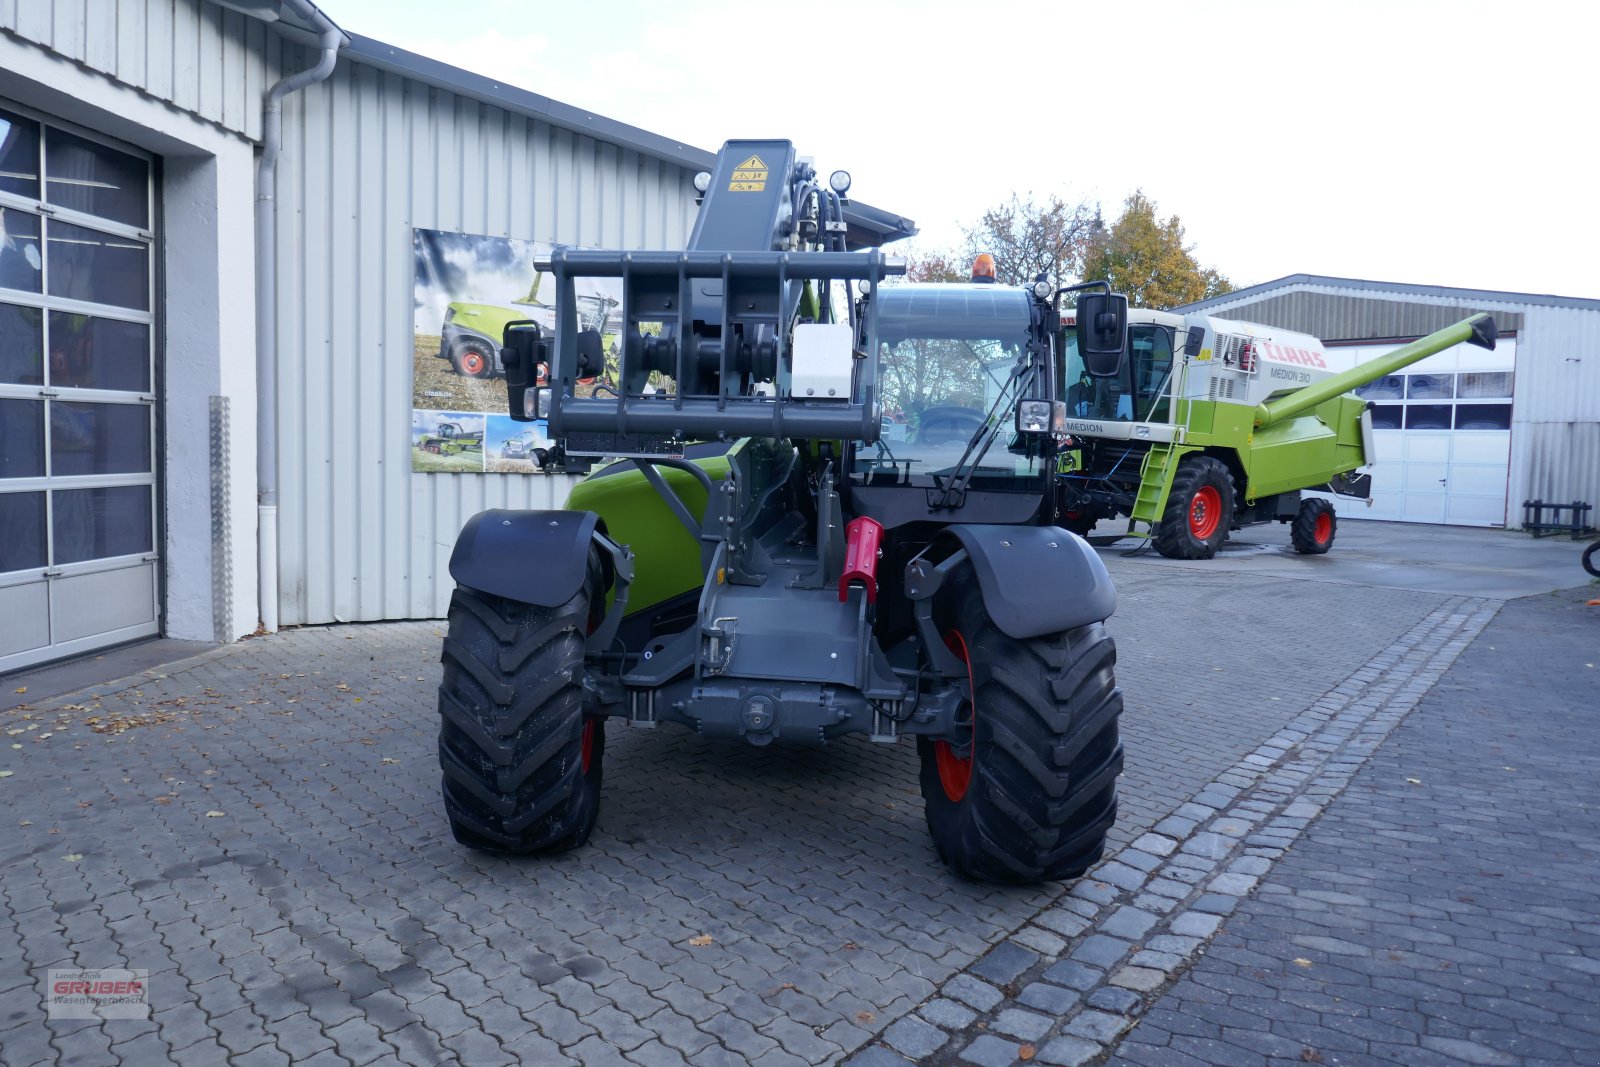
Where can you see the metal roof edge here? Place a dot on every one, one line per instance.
(886, 225)
(399, 61)
(1403, 288)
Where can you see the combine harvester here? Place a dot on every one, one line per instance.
(1212, 424)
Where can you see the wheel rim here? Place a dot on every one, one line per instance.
(1205, 512)
(955, 771)
(472, 362)
(1323, 533)
(588, 744)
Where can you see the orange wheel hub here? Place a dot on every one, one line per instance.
(955, 772)
(1323, 533)
(1205, 512)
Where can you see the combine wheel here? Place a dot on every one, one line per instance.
(1313, 528)
(1591, 559)
(473, 358)
(1199, 510)
(1027, 790)
(521, 762)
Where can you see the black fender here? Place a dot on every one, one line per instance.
(1037, 580)
(535, 557)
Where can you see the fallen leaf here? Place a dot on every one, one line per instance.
(161, 800)
(865, 1017)
(849, 946)
(1310, 1055)
(25, 822)
(215, 814)
(73, 857)
(21, 689)
(1027, 1052)
(1414, 781)
(1301, 961)
(390, 759)
(701, 940)
(7, 774)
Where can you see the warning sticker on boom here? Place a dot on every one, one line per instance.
(749, 176)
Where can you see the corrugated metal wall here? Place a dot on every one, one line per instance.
(204, 59)
(1334, 317)
(369, 155)
(1555, 428)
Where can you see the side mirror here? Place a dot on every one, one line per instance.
(1102, 332)
(523, 348)
(1194, 341)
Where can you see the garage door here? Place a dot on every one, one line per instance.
(1443, 437)
(78, 507)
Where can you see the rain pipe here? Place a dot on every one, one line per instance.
(329, 38)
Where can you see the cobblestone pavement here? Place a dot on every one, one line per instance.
(260, 828)
(1444, 909)
(1065, 987)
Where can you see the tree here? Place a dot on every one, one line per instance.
(934, 265)
(1144, 256)
(1028, 239)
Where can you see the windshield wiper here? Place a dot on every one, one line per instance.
(956, 488)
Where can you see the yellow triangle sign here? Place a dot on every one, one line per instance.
(753, 163)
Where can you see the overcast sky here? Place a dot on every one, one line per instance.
(1445, 143)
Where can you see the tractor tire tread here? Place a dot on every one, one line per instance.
(1042, 795)
(512, 725)
(1303, 529)
(1172, 536)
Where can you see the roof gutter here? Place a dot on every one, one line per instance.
(329, 39)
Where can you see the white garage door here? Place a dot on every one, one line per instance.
(78, 512)
(1457, 479)
(1443, 437)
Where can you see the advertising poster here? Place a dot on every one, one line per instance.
(467, 288)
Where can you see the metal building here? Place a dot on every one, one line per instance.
(1463, 437)
(207, 211)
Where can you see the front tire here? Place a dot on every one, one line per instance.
(1199, 510)
(1313, 527)
(520, 761)
(1027, 790)
(473, 358)
(1591, 559)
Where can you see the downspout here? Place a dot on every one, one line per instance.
(328, 39)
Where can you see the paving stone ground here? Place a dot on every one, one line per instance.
(1065, 987)
(1444, 910)
(324, 915)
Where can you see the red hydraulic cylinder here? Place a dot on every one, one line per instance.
(861, 540)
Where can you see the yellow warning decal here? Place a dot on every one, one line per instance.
(749, 176)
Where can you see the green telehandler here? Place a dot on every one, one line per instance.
(828, 508)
